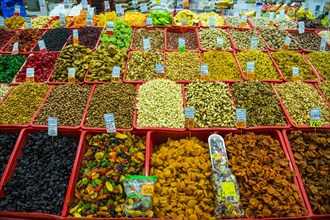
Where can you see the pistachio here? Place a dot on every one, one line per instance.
(156, 37)
(275, 39)
(242, 39)
(299, 98)
(285, 24)
(212, 103)
(233, 21)
(308, 41)
(160, 104)
(261, 22)
(208, 38)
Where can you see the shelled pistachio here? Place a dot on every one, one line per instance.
(242, 39)
(208, 38)
(285, 60)
(142, 65)
(299, 98)
(260, 102)
(263, 66)
(325, 88)
(103, 59)
(182, 66)
(321, 62)
(160, 104)
(212, 103)
(221, 65)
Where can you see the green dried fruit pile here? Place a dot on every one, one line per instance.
(299, 98)
(9, 66)
(67, 103)
(212, 103)
(321, 62)
(221, 65)
(261, 104)
(285, 60)
(22, 103)
(263, 65)
(116, 98)
(182, 66)
(142, 65)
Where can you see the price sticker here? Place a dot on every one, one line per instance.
(62, 19)
(243, 23)
(306, 5)
(144, 8)
(295, 73)
(271, 18)
(134, 2)
(254, 43)
(149, 22)
(286, 44)
(240, 118)
(185, 3)
(189, 114)
(116, 74)
(323, 44)
(43, 8)
(250, 70)
(163, 4)
(42, 46)
(219, 43)
(212, 22)
(28, 23)
(66, 4)
(71, 75)
(29, 75)
(17, 10)
(75, 36)
(228, 189)
(106, 6)
(118, 7)
(110, 123)
(315, 117)
(146, 44)
(258, 12)
(160, 71)
(109, 29)
(15, 48)
(184, 22)
(301, 27)
(204, 70)
(147, 190)
(84, 5)
(212, 4)
(182, 45)
(2, 22)
(282, 15)
(89, 20)
(52, 126)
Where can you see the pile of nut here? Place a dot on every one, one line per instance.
(156, 37)
(182, 66)
(242, 39)
(208, 38)
(321, 62)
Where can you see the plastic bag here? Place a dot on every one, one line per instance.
(139, 191)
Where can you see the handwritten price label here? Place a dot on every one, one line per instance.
(315, 117)
(147, 190)
(240, 118)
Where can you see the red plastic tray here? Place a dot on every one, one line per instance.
(17, 153)
(179, 26)
(155, 128)
(64, 45)
(258, 28)
(204, 49)
(310, 31)
(99, 129)
(77, 166)
(322, 79)
(97, 41)
(229, 26)
(152, 28)
(177, 30)
(223, 26)
(295, 167)
(138, 81)
(62, 83)
(55, 19)
(264, 80)
(288, 115)
(4, 45)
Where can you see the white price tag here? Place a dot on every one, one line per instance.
(43, 8)
(250, 67)
(182, 42)
(258, 12)
(52, 126)
(2, 22)
(15, 48)
(204, 69)
(84, 5)
(110, 123)
(17, 10)
(287, 41)
(306, 5)
(28, 23)
(301, 26)
(144, 8)
(212, 22)
(118, 7)
(116, 71)
(254, 43)
(71, 72)
(163, 4)
(66, 4)
(240, 115)
(184, 22)
(135, 2)
(62, 19)
(160, 68)
(149, 22)
(315, 114)
(42, 46)
(295, 73)
(146, 44)
(323, 44)
(219, 42)
(110, 26)
(244, 18)
(29, 72)
(282, 15)
(89, 20)
(106, 6)
(189, 113)
(271, 16)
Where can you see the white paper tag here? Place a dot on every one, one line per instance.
(160, 68)
(110, 26)
(163, 4)
(71, 72)
(41, 44)
(43, 7)
(315, 114)
(17, 10)
(271, 16)
(144, 8)
(84, 5)
(306, 5)
(15, 48)
(89, 20)
(219, 42)
(323, 44)
(250, 67)
(184, 22)
(2, 22)
(28, 23)
(258, 12)
(301, 26)
(146, 44)
(118, 7)
(62, 19)
(75, 33)
(244, 18)
(110, 123)
(204, 69)
(66, 4)
(241, 115)
(106, 5)
(29, 72)
(287, 41)
(149, 22)
(254, 43)
(135, 2)
(295, 71)
(116, 71)
(52, 126)
(212, 22)
(282, 15)
(189, 113)
(182, 42)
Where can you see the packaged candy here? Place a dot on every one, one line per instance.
(139, 191)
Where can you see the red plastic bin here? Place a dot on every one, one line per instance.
(178, 30)
(204, 49)
(152, 28)
(315, 71)
(223, 26)
(313, 32)
(295, 167)
(17, 153)
(77, 167)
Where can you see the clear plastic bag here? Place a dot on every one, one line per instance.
(139, 191)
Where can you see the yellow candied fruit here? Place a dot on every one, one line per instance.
(134, 19)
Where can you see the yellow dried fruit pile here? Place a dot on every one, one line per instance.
(183, 189)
